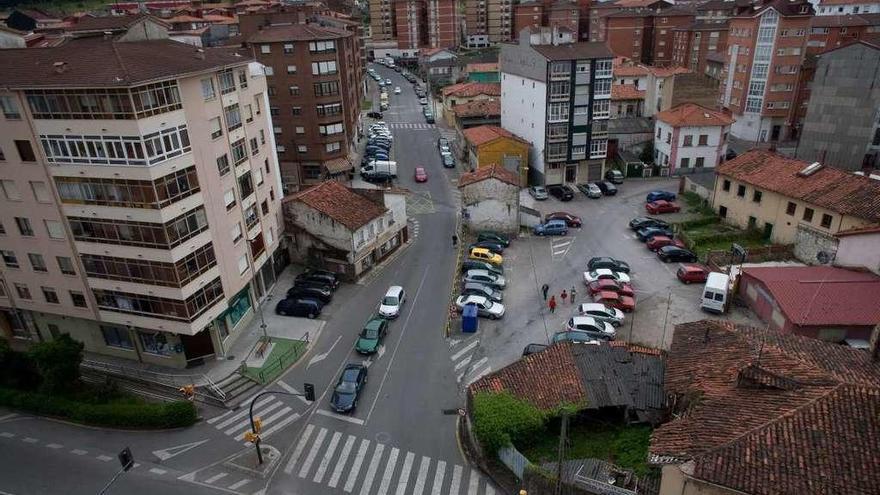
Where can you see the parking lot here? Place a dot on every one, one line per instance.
(662, 301)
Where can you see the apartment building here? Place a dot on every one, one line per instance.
(644, 32)
(140, 205)
(382, 21)
(846, 7)
(692, 45)
(831, 31)
(690, 137)
(314, 77)
(557, 97)
(444, 28)
(488, 22)
(765, 53)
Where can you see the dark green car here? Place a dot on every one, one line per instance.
(488, 235)
(371, 336)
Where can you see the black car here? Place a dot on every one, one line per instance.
(309, 308)
(561, 192)
(609, 263)
(308, 282)
(498, 237)
(375, 115)
(647, 233)
(675, 253)
(533, 349)
(323, 294)
(326, 273)
(607, 188)
(327, 279)
(615, 176)
(495, 247)
(639, 223)
(379, 177)
(481, 265)
(348, 388)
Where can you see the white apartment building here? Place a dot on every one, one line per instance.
(845, 7)
(690, 137)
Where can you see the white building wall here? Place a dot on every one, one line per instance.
(492, 204)
(524, 113)
(859, 250)
(855, 8)
(710, 153)
(662, 149)
(320, 225)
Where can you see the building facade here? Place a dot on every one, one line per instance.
(488, 22)
(141, 196)
(690, 137)
(693, 44)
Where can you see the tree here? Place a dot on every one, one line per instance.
(17, 370)
(58, 362)
(647, 154)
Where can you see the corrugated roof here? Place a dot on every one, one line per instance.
(339, 203)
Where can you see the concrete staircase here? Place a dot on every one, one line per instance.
(237, 388)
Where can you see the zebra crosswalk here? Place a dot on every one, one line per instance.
(273, 412)
(366, 467)
(411, 125)
(468, 366)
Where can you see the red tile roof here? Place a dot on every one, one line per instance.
(339, 203)
(692, 115)
(770, 413)
(822, 295)
(469, 89)
(486, 133)
(111, 23)
(626, 92)
(486, 67)
(830, 188)
(493, 171)
(478, 108)
(297, 32)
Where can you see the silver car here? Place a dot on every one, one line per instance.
(484, 277)
(475, 289)
(538, 192)
(593, 191)
(601, 312)
(485, 307)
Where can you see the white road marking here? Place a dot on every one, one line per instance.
(299, 449)
(438, 478)
(29, 440)
(325, 461)
(479, 375)
(220, 416)
(456, 480)
(244, 412)
(371, 470)
(104, 458)
(239, 484)
(310, 458)
(8, 416)
(419, 488)
(389, 471)
(165, 454)
(158, 471)
(54, 446)
(320, 357)
(465, 350)
(281, 424)
(340, 463)
(331, 414)
(356, 465)
(404, 473)
(464, 362)
(6, 434)
(216, 477)
(246, 422)
(474, 483)
(293, 391)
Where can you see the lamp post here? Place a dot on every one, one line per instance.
(253, 436)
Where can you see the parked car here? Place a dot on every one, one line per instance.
(323, 294)
(538, 192)
(610, 263)
(647, 233)
(730, 155)
(587, 324)
(606, 284)
(421, 175)
(675, 253)
(397, 90)
(481, 265)
(325, 273)
(307, 282)
(661, 206)
(644, 222)
(607, 188)
(577, 337)
(379, 178)
(488, 235)
(371, 335)
(495, 247)
(309, 308)
(553, 227)
(392, 302)
(692, 272)
(591, 190)
(601, 312)
(533, 349)
(561, 192)
(478, 289)
(656, 195)
(348, 388)
(615, 176)
(429, 118)
(568, 218)
(485, 255)
(593, 275)
(327, 279)
(658, 241)
(624, 303)
(587, 190)
(375, 115)
(485, 307)
(484, 277)
(447, 159)
(442, 144)
(423, 101)
(387, 82)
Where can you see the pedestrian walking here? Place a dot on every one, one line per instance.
(573, 294)
(544, 289)
(552, 304)
(564, 295)
(454, 240)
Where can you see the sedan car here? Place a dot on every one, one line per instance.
(692, 272)
(662, 206)
(323, 294)
(584, 188)
(615, 176)
(624, 303)
(443, 143)
(371, 335)
(348, 388)
(647, 233)
(644, 222)
(328, 279)
(607, 188)
(485, 307)
(421, 175)
(475, 289)
(675, 253)
(588, 324)
(590, 190)
(484, 277)
(305, 282)
(599, 274)
(325, 273)
(578, 337)
(397, 90)
(309, 308)
(488, 235)
(605, 284)
(601, 312)
(375, 115)
(495, 247)
(568, 218)
(561, 192)
(481, 265)
(609, 263)
(387, 82)
(538, 192)
(655, 195)
(533, 349)
(658, 241)
(391, 303)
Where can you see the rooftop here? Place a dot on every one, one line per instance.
(486, 133)
(297, 32)
(830, 188)
(478, 108)
(847, 20)
(626, 92)
(692, 115)
(109, 23)
(493, 171)
(574, 51)
(769, 413)
(469, 89)
(482, 67)
(339, 203)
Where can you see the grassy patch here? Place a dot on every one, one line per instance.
(367, 105)
(284, 353)
(696, 204)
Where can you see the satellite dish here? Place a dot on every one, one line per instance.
(823, 257)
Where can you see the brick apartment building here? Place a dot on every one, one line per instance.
(692, 44)
(488, 22)
(413, 24)
(642, 30)
(561, 13)
(315, 76)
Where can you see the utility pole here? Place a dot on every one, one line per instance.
(563, 431)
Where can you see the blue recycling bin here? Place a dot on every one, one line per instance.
(469, 318)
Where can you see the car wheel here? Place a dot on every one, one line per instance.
(311, 316)
(282, 312)
(687, 282)
(493, 317)
(615, 324)
(564, 232)
(541, 234)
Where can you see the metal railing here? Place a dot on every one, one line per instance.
(276, 364)
(166, 379)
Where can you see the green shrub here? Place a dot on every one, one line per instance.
(501, 419)
(113, 414)
(17, 370)
(699, 222)
(58, 361)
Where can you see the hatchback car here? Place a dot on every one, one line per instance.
(348, 388)
(561, 192)
(533, 349)
(647, 233)
(488, 235)
(481, 265)
(675, 253)
(423, 101)
(397, 90)
(605, 284)
(495, 247)
(578, 337)
(601, 312)
(610, 263)
(375, 115)
(483, 254)
(484, 277)
(568, 218)
(389, 306)
(588, 324)
(656, 195)
(626, 304)
(662, 206)
(598, 274)
(309, 308)
(485, 307)
(553, 227)
(329, 280)
(325, 273)
(371, 335)
(448, 160)
(307, 282)
(658, 241)
(615, 176)
(323, 294)
(429, 118)
(591, 190)
(442, 144)
(692, 272)
(477, 289)
(421, 175)
(645, 222)
(538, 192)
(607, 188)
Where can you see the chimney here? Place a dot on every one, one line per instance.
(60, 67)
(200, 54)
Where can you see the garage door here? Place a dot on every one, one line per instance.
(594, 171)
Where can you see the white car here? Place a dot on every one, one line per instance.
(485, 307)
(590, 277)
(587, 324)
(601, 312)
(397, 90)
(390, 305)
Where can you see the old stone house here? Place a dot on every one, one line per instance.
(490, 199)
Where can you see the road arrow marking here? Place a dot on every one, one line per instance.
(320, 357)
(367, 362)
(380, 351)
(165, 454)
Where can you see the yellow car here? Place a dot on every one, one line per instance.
(483, 254)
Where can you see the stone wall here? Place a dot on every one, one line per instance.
(810, 242)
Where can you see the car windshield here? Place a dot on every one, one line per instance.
(345, 389)
(389, 301)
(371, 331)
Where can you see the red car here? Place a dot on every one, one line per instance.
(662, 206)
(624, 303)
(692, 272)
(608, 285)
(658, 241)
(568, 218)
(421, 175)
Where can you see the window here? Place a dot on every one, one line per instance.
(685, 163)
(38, 264)
(255, 149)
(250, 216)
(269, 71)
(324, 68)
(704, 139)
(725, 185)
(601, 109)
(299, 129)
(756, 196)
(9, 108)
(808, 214)
(264, 206)
(259, 174)
(280, 148)
(86, 103)
(598, 148)
(302, 148)
(326, 88)
(248, 113)
(229, 199)
(10, 190)
(25, 151)
(322, 46)
(242, 264)
(65, 265)
(24, 226)
(242, 79)
(688, 140)
(173, 309)
(262, 136)
(722, 211)
(245, 185)
(333, 147)
(223, 164)
(166, 144)
(239, 153)
(291, 69)
(700, 162)
(233, 117)
(117, 337)
(155, 343)
(603, 68)
(176, 274)
(296, 110)
(99, 150)
(329, 109)
(790, 208)
(330, 129)
(668, 137)
(265, 48)
(208, 88)
(131, 193)
(276, 130)
(236, 232)
(274, 111)
(558, 112)
(50, 295)
(826, 221)
(41, 192)
(659, 133)
(23, 291)
(142, 234)
(602, 88)
(288, 48)
(9, 258)
(294, 90)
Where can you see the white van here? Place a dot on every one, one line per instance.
(376, 166)
(716, 292)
